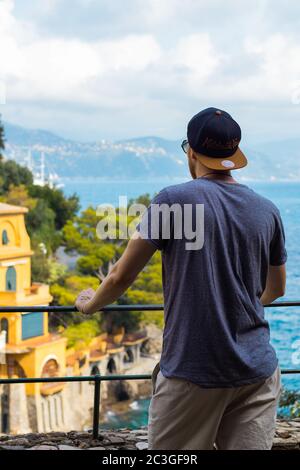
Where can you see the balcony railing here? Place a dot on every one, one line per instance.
(97, 379)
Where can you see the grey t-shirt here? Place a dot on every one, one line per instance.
(215, 333)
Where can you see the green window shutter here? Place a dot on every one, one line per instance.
(5, 239)
(11, 279)
(32, 325)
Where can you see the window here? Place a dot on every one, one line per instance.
(4, 407)
(5, 239)
(4, 327)
(32, 325)
(111, 366)
(95, 370)
(11, 279)
(128, 357)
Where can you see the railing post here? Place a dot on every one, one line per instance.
(96, 414)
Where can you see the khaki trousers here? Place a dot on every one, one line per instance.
(185, 416)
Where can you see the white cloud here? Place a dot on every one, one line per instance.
(57, 68)
(197, 53)
(61, 69)
(46, 7)
(163, 64)
(279, 59)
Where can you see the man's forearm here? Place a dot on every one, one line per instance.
(124, 272)
(108, 292)
(275, 284)
(269, 296)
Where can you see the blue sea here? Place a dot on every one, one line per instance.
(284, 322)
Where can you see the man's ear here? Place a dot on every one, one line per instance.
(191, 154)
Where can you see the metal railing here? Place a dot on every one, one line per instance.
(97, 378)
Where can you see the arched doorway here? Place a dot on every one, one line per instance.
(4, 413)
(128, 356)
(18, 370)
(4, 327)
(11, 279)
(95, 370)
(111, 366)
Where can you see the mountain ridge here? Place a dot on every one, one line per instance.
(147, 156)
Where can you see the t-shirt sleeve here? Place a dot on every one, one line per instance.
(152, 224)
(278, 253)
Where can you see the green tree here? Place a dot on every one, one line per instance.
(11, 173)
(18, 196)
(96, 258)
(64, 208)
(2, 139)
(40, 222)
(80, 335)
(144, 199)
(66, 290)
(40, 266)
(97, 255)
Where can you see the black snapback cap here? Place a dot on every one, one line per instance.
(215, 136)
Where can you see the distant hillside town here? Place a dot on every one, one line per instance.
(143, 157)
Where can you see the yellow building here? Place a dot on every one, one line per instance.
(31, 351)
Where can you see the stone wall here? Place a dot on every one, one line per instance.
(287, 438)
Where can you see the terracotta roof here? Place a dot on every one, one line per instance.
(97, 354)
(137, 337)
(71, 360)
(11, 349)
(42, 340)
(76, 356)
(113, 347)
(31, 343)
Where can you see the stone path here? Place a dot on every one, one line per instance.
(287, 438)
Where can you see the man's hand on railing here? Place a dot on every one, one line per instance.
(83, 298)
(123, 273)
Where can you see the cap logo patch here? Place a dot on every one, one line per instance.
(227, 164)
(212, 144)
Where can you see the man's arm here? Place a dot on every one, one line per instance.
(136, 255)
(275, 285)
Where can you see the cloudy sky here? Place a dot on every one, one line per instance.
(92, 69)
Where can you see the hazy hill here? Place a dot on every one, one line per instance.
(139, 157)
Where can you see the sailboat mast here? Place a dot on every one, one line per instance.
(42, 169)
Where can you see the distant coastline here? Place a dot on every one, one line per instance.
(140, 157)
